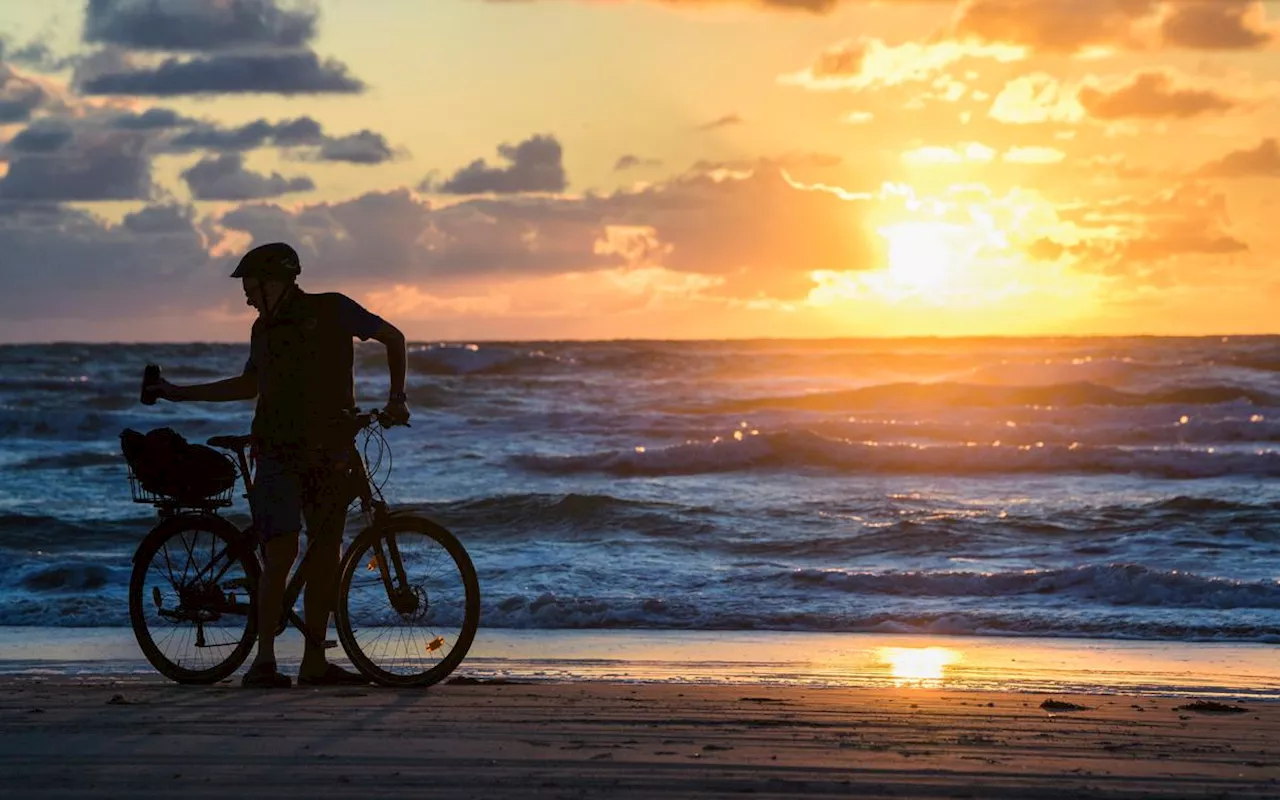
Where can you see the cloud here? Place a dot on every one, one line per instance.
(250, 136)
(1034, 99)
(364, 147)
(757, 233)
(1133, 235)
(1260, 161)
(224, 177)
(1056, 26)
(722, 122)
(155, 259)
(869, 63)
(19, 95)
(1218, 25)
(197, 25)
(151, 119)
(97, 165)
(41, 138)
(238, 73)
(810, 6)
(534, 165)
(630, 161)
(1152, 94)
(1081, 27)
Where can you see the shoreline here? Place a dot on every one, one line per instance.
(102, 738)
(748, 658)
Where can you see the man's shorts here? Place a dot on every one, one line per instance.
(316, 487)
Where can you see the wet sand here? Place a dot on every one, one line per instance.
(63, 737)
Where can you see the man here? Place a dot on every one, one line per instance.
(300, 369)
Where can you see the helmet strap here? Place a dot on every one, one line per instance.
(272, 308)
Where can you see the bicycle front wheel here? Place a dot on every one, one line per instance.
(191, 599)
(408, 602)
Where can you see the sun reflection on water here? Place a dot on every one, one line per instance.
(923, 666)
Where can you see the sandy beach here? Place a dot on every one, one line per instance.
(103, 737)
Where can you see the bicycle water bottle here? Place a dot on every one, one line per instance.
(150, 377)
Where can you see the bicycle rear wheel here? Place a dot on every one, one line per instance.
(408, 602)
(191, 599)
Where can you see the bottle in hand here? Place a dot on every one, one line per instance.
(150, 377)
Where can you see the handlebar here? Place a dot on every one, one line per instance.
(378, 415)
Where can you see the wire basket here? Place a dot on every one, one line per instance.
(142, 494)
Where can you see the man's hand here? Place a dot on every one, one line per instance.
(398, 411)
(163, 390)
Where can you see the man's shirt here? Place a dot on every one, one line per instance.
(302, 359)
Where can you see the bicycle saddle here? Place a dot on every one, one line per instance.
(230, 442)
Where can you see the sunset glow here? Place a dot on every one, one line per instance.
(973, 167)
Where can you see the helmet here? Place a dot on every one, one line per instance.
(274, 261)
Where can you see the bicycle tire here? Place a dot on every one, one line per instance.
(147, 549)
(471, 613)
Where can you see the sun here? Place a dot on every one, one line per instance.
(923, 254)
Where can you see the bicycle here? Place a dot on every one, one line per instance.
(215, 601)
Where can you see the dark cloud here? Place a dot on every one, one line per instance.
(41, 138)
(197, 25)
(631, 161)
(758, 233)
(232, 73)
(170, 218)
(1260, 161)
(19, 96)
(1152, 94)
(723, 122)
(1218, 25)
(364, 147)
(534, 165)
(151, 119)
(84, 268)
(35, 55)
(98, 165)
(224, 177)
(250, 136)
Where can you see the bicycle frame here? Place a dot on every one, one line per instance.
(372, 504)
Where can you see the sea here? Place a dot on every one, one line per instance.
(1107, 488)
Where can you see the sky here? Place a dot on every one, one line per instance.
(671, 169)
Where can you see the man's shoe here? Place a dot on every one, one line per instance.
(264, 675)
(331, 675)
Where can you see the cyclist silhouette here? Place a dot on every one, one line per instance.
(300, 369)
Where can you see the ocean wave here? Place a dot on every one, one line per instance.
(447, 359)
(548, 610)
(1112, 584)
(801, 449)
(76, 460)
(533, 514)
(897, 396)
(36, 532)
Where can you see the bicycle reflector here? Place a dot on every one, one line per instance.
(435, 644)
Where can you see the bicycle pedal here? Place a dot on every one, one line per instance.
(329, 644)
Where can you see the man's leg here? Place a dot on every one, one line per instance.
(326, 515)
(319, 599)
(282, 551)
(277, 515)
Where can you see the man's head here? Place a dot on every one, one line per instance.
(267, 272)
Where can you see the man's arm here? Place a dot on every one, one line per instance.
(241, 387)
(397, 359)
